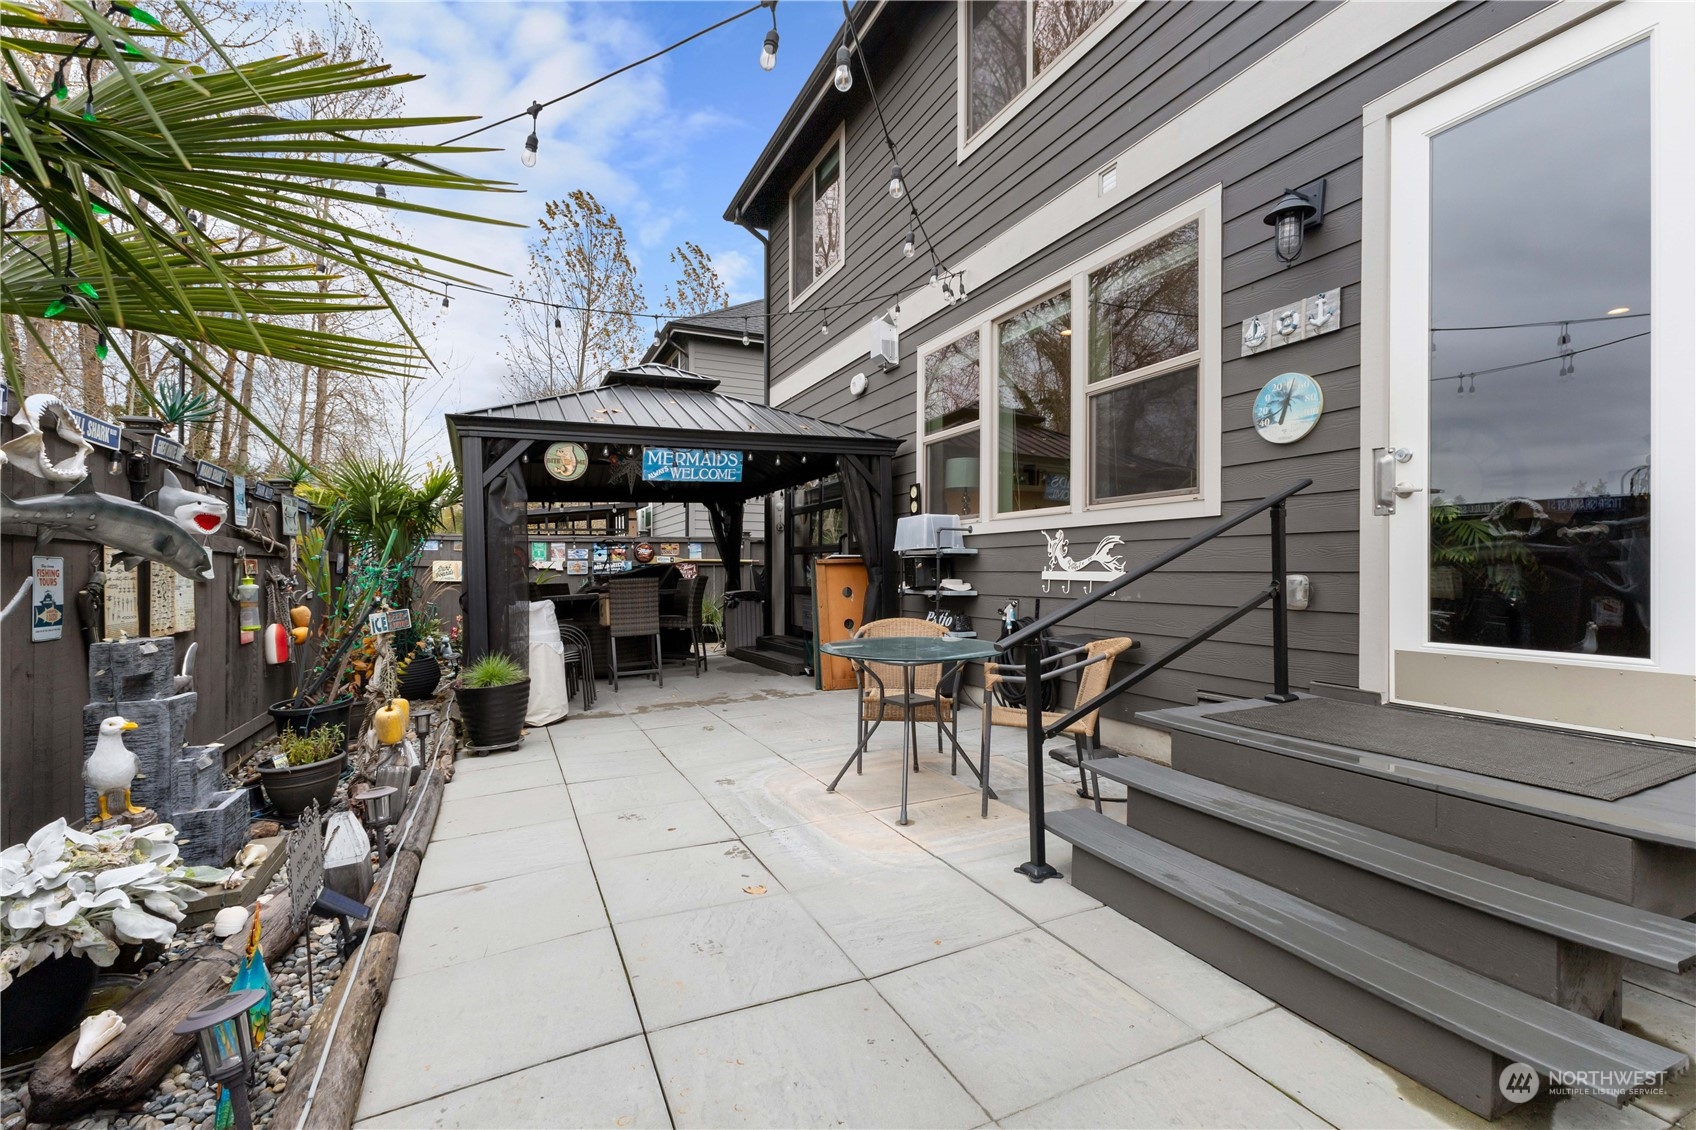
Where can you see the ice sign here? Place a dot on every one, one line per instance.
(690, 465)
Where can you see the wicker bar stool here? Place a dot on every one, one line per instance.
(634, 612)
(690, 621)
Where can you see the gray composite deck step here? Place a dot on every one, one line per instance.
(1640, 935)
(1486, 1013)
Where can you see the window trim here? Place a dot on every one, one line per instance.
(1207, 211)
(966, 143)
(839, 140)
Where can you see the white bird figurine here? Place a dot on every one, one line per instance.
(112, 766)
(1588, 644)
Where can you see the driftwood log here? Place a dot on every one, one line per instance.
(386, 919)
(128, 1067)
(425, 807)
(336, 1099)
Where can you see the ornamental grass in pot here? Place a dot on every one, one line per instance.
(493, 695)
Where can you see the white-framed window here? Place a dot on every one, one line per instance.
(817, 222)
(1009, 50)
(1092, 396)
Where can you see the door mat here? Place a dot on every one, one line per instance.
(1551, 759)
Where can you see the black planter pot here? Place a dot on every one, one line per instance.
(494, 716)
(291, 790)
(44, 1003)
(418, 682)
(305, 719)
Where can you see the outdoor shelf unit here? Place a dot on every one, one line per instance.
(940, 559)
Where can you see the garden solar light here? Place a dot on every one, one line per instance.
(421, 721)
(225, 1035)
(379, 814)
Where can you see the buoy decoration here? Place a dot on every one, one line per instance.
(391, 721)
(276, 644)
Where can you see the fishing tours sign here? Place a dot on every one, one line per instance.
(47, 598)
(690, 465)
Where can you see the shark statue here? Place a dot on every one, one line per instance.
(195, 512)
(137, 532)
(28, 452)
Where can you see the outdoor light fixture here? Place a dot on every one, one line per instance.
(1299, 209)
(768, 53)
(225, 1035)
(1618, 310)
(909, 247)
(896, 188)
(556, 318)
(530, 143)
(844, 77)
(745, 340)
(380, 804)
(824, 329)
(445, 298)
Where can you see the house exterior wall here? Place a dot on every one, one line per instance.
(1164, 63)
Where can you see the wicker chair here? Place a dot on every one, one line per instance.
(690, 622)
(926, 681)
(634, 612)
(1095, 666)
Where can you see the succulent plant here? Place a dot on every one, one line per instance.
(83, 893)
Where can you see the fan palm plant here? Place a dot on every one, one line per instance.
(117, 184)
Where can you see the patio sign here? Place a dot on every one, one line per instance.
(168, 449)
(1101, 565)
(101, 433)
(211, 474)
(122, 598)
(690, 465)
(243, 513)
(389, 620)
(47, 601)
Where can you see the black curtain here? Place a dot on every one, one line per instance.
(726, 520)
(867, 518)
(508, 547)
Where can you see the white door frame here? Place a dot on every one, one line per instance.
(1654, 697)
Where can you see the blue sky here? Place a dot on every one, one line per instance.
(664, 146)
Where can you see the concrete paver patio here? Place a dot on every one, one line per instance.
(654, 915)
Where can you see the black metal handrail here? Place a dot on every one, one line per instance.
(1028, 640)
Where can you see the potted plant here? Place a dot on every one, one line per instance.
(303, 767)
(493, 695)
(68, 899)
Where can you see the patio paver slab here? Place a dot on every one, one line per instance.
(761, 796)
(471, 816)
(703, 962)
(838, 848)
(888, 920)
(660, 827)
(599, 760)
(494, 1016)
(1196, 1085)
(669, 882)
(1040, 902)
(504, 779)
(484, 858)
(612, 1085)
(644, 791)
(1024, 1019)
(467, 923)
(837, 1057)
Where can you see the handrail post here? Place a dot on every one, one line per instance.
(1037, 868)
(1280, 613)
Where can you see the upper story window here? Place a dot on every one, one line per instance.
(816, 221)
(1010, 46)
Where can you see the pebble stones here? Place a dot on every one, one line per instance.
(185, 1099)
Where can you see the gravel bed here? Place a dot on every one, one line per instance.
(185, 1098)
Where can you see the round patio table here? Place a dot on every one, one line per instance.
(908, 653)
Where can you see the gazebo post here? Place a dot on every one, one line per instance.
(476, 553)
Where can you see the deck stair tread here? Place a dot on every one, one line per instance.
(1487, 1013)
(1640, 935)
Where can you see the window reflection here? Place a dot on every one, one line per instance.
(995, 52)
(951, 384)
(1057, 24)
(1539, 378)
(1034, 390)
(1143, 306)
(1143, 437)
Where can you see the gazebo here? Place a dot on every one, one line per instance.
(651, 433)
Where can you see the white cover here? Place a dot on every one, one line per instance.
(549, 698)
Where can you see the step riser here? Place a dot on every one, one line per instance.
(1576, 977)
(1448, 1064)
(1646, 875)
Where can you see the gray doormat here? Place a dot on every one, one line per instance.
(1550, 759)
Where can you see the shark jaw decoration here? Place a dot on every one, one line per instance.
(195, 512)
(28, 452)
(135, 531)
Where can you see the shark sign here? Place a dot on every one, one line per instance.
(1101, 565)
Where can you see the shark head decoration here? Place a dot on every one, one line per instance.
(28, 451)
(200, 514)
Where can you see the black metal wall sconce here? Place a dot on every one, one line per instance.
(1298, 209)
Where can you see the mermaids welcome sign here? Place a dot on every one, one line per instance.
(690, 465)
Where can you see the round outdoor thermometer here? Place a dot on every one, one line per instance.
(566, 461)
(1288, 407)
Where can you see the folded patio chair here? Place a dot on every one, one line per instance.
(1094, 664)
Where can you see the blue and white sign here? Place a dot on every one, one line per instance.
(690, 465)
(241, 507)
(168, 449)
(101, 433)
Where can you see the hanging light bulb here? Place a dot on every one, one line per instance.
(824, 329)
(530, 143)
(844, 78)
(745, 340)
(101, 349)
(382, 193)
(897, 188)
(909, 248)
(934, 277)
(768, 53)
(445, 298)
(556, 318)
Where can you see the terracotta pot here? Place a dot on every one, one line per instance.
(494, 716)
(291, 790)
(45, 1003)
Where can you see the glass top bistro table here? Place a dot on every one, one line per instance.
(908, 653)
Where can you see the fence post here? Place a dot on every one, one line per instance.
(1280, 613)
(1037, 869)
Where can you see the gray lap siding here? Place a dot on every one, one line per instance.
(1160, 61)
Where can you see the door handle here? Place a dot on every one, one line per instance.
(1403, 490)
(1385, 488)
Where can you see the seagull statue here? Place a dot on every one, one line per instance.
(112, 766)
